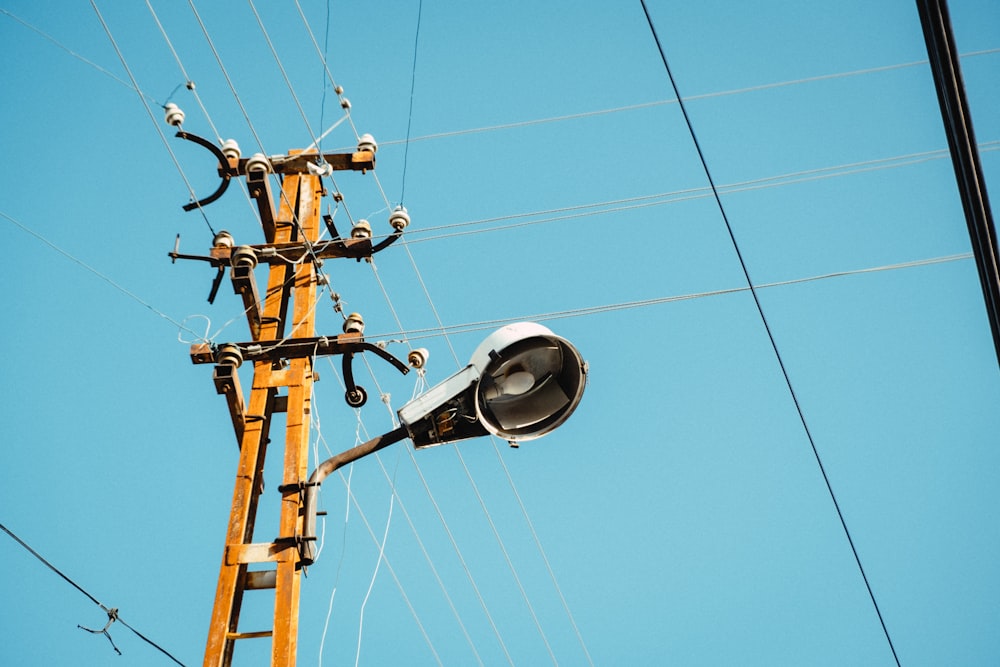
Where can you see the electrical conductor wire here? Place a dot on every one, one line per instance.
(112, 613)
(770, 335)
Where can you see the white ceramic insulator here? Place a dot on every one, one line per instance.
(354, 323)
(231, 149)
(174, 114)
(399, 219)
(259, 162)
(244, 256)
(223, 240)
(230, 355)
(366, 142)
(418, 357)
(361, 230)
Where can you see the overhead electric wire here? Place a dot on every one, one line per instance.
(149, 111)
(409, 520)
(690, 98)
(484, 325)
(112, 612)
(187, 79)
(770, 335)
(78, 56)
(686, 194)
(97, 273)
(409, 115)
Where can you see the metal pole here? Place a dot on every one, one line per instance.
(944, 61)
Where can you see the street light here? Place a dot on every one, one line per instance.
(522, 382)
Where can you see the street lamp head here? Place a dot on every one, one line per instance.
(522, 382)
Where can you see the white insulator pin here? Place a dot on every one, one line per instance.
(174, 115)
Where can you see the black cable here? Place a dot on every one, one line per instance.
(413, 83)
(112, 613)
(774, 345)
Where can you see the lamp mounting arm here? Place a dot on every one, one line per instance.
(307, 545)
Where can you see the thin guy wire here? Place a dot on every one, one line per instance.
(413, 529)
(545, 559)
(506, 555)
(675, 196)
(409, 116)
(191, 86)
(100, 275)
(305, 120)
(78, 56)
(340, 96)
(92, 598)
(284, 74)
(149, 111)
(388, 565)
(187, 79)
(461, 558)
(246, 115)
(326, 50)
(690, 98)
(471, 327)
(770, 335)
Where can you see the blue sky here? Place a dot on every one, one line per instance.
(681, 509)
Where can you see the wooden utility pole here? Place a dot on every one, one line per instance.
(295, 287)
(282, 349)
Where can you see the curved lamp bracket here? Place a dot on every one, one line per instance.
(225, 171)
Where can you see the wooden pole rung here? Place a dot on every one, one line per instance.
(249, 635)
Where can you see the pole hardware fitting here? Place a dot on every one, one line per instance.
(231, 164)
(359, 246)
(295, 348)
(356, 396)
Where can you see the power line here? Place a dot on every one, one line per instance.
(409, 115)
(677, 196)
(78, 56)
(690, 98)
(112, 612)
(149, 111)
(483, 325)
(97, 273)
(767, 328)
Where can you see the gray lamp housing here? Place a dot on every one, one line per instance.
(522, 382)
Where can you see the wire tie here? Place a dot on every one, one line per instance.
(112, 617)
